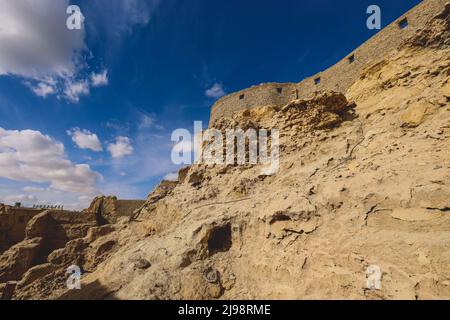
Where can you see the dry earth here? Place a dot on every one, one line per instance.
(364, 180)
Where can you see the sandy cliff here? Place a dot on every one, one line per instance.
(364, 180)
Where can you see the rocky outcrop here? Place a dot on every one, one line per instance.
(363, 181)
(108, 209)
(104, 209)
(18, 259)
(363, 184)
(13, 223)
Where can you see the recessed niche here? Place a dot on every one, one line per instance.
(317, 80)
(220, 239)
(241, 97)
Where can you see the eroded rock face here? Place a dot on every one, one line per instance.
(104, 209)
(18, 259)
(363, 185)
(108, 209)
(437, 32)
(363, 181)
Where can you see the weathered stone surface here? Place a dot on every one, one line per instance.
(415, 114)
(355, 191)
(446, 89)
(18, 259)
(7, 290)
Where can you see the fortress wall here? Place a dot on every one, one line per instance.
(13, 224)
(338, 77)
(343, 74)
(127, 207)
(261, 95)
(61, 226)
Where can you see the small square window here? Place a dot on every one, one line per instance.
(317, 80)
(351, 59)
(279, 90)
(241, 97)
(403, 23)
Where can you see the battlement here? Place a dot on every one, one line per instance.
(339, 77)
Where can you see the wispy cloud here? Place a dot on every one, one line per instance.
(121, 147)
(216, 91)
(20, 198)
(74, 90)
(148, 121)
(124, 15)
(43, 89)
(100, 79)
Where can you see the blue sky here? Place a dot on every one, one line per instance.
(91, 111)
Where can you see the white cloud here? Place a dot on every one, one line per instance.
(43, 89)
(29, 155)
(216, 91)
(74, 90)
(26, 198)
(84, 201)
(173, 176)
(121, 148)
(34, 40)
(99, 79)
(37, 46)
(148, 121)
(85, 139)
(34, 189)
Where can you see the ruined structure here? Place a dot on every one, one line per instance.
(13, 222)
(338, 77)
(30, 237)
(109, 209)
(363, 185)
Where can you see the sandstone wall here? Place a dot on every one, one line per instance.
(260, 95)
(340, 76)
(125, 208)
(56, 228)
(12, 226)
(108, 209)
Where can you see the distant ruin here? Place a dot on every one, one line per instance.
(14, 220)
(338, 77)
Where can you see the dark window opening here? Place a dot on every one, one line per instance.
(317, 80)
(241, 97)
(403, 23)
(220, 239)
(279, 90)
(351, 59)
